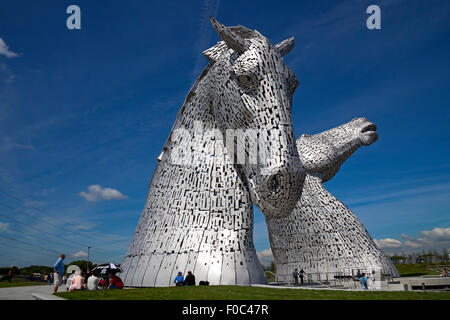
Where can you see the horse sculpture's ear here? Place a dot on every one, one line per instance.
(285, 46)
(233, 40)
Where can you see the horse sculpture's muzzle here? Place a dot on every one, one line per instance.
(368, 134)
(280, 189)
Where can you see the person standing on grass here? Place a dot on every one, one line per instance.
(9, 275)
(59, 272)
(190, 279)
(363, 281)
(445, 272)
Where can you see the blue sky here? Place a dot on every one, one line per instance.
(94, 107)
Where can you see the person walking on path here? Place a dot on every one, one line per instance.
(59, 272)
(295, 275)
(190, 279)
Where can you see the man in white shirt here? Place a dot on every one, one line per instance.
(92, 282)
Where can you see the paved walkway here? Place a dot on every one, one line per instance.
(26, 293)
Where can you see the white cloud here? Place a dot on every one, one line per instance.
(437, 234)
(437, 238)
(265, 257)
(97, 192)
(4, 226)
(4, 50)
(388, 243)
(79, 254)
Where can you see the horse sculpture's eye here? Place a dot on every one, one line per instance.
(247, 80)
(274, 183)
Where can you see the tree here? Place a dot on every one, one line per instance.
(396, 259)
(273, 267)
(35, 269)
(445, 256)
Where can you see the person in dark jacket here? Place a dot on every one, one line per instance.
(301, 274)
(190, 279)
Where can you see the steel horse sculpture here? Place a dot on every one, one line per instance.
(198, 214)
(322, 236)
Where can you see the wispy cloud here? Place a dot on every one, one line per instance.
(82, 226)
(4, 226)
(400, 194)
(79, 254)
(97, 192)
(437, 238)
(7, 143)
(4, 50)
(34, 203)
(388, 243)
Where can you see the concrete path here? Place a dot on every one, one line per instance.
(43, 292)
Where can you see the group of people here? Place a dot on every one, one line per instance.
(76, 281)
(300, 274)
(181, 281)
(8, 276)
(91, 281)
(296, 274)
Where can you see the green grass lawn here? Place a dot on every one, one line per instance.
(412, 270)
(246, 293)
(20, 283)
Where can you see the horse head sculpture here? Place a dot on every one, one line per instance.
(323, 236)
(324, 153)
(198, 215)
(251, 94)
